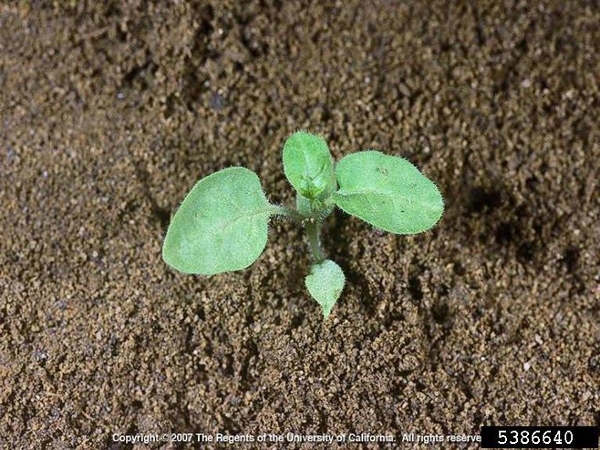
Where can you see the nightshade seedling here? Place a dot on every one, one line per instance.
(222, 224)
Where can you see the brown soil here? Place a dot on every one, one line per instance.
(111, 111)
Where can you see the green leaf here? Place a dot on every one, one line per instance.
(325, 283)
(221, 225)
(387, 192)
(308, 165)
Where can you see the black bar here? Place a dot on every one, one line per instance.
(539, 437)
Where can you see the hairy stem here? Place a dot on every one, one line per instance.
(313, 230)
(311, 216)
(290, 213)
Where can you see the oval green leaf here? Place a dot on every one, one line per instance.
(221, 225)
(325, 283)
(387, 192)
(308, 165)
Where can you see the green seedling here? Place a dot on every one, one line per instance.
(222, 224)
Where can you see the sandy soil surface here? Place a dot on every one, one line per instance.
(110, 111)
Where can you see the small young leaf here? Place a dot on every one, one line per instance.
(221, 225)
(308, 165)
(387, 192)
(325, 283)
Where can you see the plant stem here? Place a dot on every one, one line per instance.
(290, 213)
(313, 230)
(311, 219)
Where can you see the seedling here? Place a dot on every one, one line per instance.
(222, 224)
